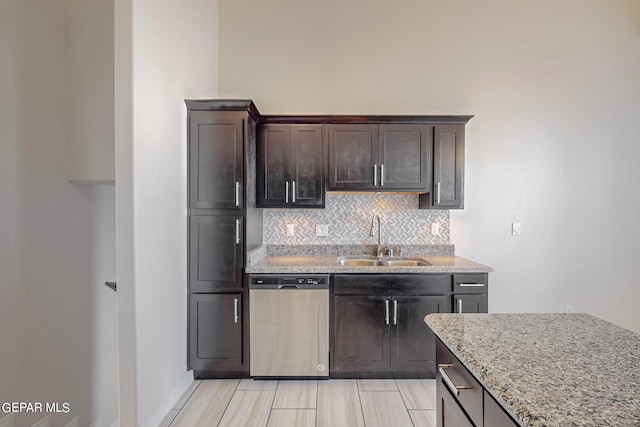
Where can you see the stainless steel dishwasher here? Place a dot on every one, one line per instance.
(289, 326)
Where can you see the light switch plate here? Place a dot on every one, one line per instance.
(322, 230)
(515, 228)
(290, 230)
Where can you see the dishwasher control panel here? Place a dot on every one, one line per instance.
(300, 282)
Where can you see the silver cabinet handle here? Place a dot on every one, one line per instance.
(471, 285)
(395, 312)
(455, 389)
(237, 193)
(286, 192)
(375, 175)
(237, 231)
(235, 310)
(438, 193)
(459, 305)
(293, 191)
(382, 175)
(386, 311)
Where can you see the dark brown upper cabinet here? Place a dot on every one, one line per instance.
(405, 157)
(216, 159)
(353, 157)
(388, 157)
(290, 166)
(448, 167)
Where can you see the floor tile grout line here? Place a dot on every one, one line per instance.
(403, 401)
(273, 400)
(364, 422)
(229, 402)
(185, 402)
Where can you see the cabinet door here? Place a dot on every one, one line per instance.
(448, 164)
(471, 303)
(215, 252)
(413, 342)
(361, 334)
(449, 412)
(494, 415)
(215, 157)
(405, 157)
(353, 156)
(215, 332)
(274, 150)
(307, 159)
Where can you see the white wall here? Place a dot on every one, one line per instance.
(11, 198)
(90, 65)
(173, 56)
(56, 238)
(555, 90)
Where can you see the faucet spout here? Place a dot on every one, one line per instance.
(380, 248)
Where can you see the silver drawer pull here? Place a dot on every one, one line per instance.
(386, 311)
(286, 192)
(375, 175)
(293, 191)
(471, 285)
(455, 389)
(382, 175)
(395, 311)
(460, 305)
(237, 193)
(235, 310)
(237, 231)
(438, 193)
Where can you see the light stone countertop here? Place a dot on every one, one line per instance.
(550, 369)
(329, 264)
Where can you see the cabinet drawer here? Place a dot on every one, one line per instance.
(470, 397)
(470, 283)
(392, 284)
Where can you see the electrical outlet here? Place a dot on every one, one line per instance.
(435, 228)
(322, 230)
(290, 230)
(515, 228)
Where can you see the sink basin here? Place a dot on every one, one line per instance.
(358, 262)
(404, 263)
(382, 262)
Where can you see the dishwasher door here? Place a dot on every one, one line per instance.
(289, 332)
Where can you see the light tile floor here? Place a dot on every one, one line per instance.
(293, 403)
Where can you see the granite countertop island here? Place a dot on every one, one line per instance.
(324, 259)
(550, 369)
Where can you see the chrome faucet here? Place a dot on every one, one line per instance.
(381, 248)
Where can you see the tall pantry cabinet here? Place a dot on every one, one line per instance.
(223, 224)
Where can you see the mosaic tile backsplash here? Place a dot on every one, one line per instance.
(349, 219)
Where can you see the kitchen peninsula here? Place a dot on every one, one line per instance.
(540, 369)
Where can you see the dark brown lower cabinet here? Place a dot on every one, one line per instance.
(470, 303)
(461, 399)
(450, 414)
(361, 334)
(383, 336)
(215, 333)
(412, 343)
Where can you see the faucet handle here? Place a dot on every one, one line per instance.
(390, 252)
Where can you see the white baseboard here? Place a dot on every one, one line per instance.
(8, 421)
(170, 401)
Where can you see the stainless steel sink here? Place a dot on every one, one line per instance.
(381, 262)
(404, 263)
(358, 262)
